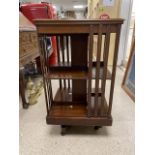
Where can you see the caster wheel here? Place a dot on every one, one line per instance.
(63, 130)
(97, 127)
(62, 133)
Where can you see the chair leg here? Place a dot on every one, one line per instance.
(22, 88)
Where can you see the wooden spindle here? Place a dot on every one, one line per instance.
(58, 52)
(105, 60)
(41, 41)
(67, 51)
(98, 69)
(90, 69)
(46, 68)
(70, 54)
(63, 54)
(114, 69)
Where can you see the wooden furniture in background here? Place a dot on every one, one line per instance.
(28, 50)
(70, 14)
(77, 102)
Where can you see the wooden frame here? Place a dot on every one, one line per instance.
(76, 101)
(128, 68)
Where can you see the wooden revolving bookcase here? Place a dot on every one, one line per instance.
(76, 101)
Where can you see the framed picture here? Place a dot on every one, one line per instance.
(128, 83)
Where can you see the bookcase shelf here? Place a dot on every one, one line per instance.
(67, 75)
(67, 71)
(64, 106)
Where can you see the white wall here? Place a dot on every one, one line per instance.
(125, 13)
(79, 14)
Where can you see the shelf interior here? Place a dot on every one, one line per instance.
(68, 111)
(67, 71)
(63, 106)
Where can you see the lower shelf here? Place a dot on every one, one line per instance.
(67, 112)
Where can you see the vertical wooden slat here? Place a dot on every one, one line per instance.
(58, 48)
(51, 94)
(48, 82)
(67, 51)
(64, 58)
(114, 69)
(58, 52)
(63, 54)
(49, 91)
(70, 55)
(105, 60)
(98, 69)
(90, 70)
(69, 47)
(45, 57)
(46, 54)
(62, 47)
(43, 71)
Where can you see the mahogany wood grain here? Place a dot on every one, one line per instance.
(80, 104)
(78, 47)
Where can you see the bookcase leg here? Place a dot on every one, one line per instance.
(63, 130)
(97, 127)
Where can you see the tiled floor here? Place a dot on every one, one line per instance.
(38, 138)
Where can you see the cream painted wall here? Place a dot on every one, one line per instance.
(113, 12)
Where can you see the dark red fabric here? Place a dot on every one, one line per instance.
(42, 11)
